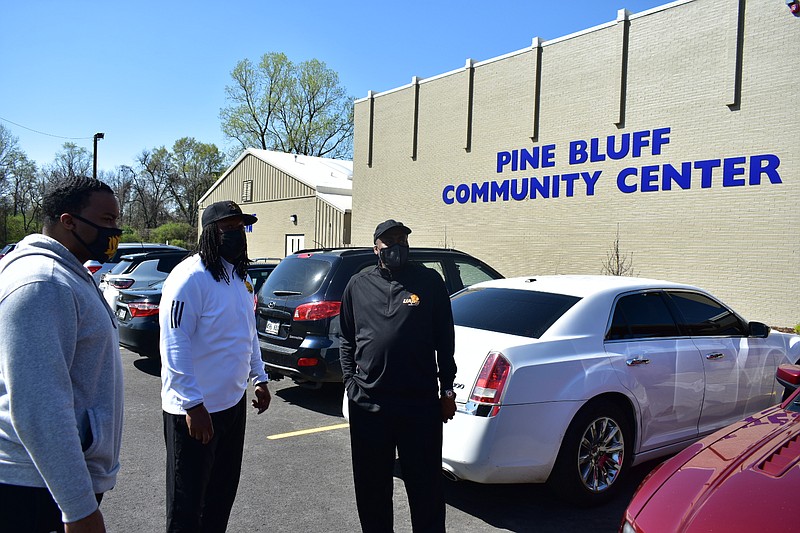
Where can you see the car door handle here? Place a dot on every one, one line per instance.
(638, 360)
(715, 355)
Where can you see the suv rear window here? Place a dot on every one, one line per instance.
(522, 313)
(122, 267)
(295, 276)
(163, 264)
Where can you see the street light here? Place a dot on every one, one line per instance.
(94, 152)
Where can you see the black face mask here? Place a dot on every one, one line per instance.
(232, 244)
(394, 257)
(104, 246)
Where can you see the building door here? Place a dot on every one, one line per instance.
(294, 243)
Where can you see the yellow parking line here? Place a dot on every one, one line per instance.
(307, 431)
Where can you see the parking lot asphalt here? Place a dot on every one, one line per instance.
(296, 473)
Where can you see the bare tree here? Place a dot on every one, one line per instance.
(195, 167)
(150, 186)
(618, 263)
(72, 161)
(291, 108)
(20, 186)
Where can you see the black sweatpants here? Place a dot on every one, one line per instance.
(30, 509)
(202, 479)
(374, 437)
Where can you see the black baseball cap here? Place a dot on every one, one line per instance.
(227, 208)
(385, 226)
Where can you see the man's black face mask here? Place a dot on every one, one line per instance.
(232, 244)
(394, 257)
(104, 246)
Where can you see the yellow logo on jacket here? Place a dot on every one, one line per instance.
(413, 301)
(249, 286)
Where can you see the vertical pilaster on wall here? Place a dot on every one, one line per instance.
(623, 30)
(415, 132)
(371, 96)
(470, 67)
(536, 47)
(734, 57)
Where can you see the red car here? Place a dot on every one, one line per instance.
(744, 477)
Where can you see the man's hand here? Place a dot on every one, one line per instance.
(263, 398)
(199, 422)
(448, 408)
(89, 524)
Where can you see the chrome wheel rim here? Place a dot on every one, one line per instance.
(601, 454)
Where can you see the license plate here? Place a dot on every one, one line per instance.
(121, 313)
(272, 327)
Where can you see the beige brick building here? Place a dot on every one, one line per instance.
(679, 125)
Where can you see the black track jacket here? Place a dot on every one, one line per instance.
(397, 338)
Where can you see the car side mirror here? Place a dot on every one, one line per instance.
(758, 329)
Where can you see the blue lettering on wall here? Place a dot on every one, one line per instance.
(737, 171)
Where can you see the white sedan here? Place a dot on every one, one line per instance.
(573, 379)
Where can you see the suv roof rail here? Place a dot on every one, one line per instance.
(345, 249)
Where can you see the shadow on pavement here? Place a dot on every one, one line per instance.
(148, 366)
(326, 400)
(532, 507)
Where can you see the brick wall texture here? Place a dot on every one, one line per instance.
(716, 87)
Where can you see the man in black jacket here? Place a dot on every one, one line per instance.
(397, 344)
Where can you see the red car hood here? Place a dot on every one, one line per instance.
(742, 478)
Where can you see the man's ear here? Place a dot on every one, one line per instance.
(67, 221)
(375, 249)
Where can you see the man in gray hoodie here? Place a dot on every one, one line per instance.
(60, 370)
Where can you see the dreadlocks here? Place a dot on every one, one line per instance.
(209, 253)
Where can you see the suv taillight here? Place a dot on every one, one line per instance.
(317, 310)
(120, 283)
(490, 384)
(94, 268)
(142, 309)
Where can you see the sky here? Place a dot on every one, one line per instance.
(147, 73)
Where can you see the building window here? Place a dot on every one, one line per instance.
(247, 191)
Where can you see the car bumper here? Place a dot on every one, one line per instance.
(141, 337)
(519, 445)
(286, 361)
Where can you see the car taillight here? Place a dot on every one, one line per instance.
(490, 384)
(94, 268)
(120, 283)
(307, 361)
(142, 309)
(317, 310)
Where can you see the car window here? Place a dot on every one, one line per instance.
(471, 273)
(166, 264)
(523, 313)
(433, 265)
(642, 316)
(122, 267)
(259, 276)
(704, 316)
(296, 276)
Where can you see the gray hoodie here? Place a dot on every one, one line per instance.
(60, 377)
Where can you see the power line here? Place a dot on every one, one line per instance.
(43, 133)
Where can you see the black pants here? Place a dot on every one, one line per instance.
(202, 479)
(29, 509)
(374, 437)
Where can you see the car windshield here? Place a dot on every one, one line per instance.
(523, 313)
(296, 276)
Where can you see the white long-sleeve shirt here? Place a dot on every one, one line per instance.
(209, 346)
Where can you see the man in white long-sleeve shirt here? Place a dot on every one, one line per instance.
(209, 350)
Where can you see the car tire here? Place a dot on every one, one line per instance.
(594, 456)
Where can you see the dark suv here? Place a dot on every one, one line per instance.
(297, 313)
